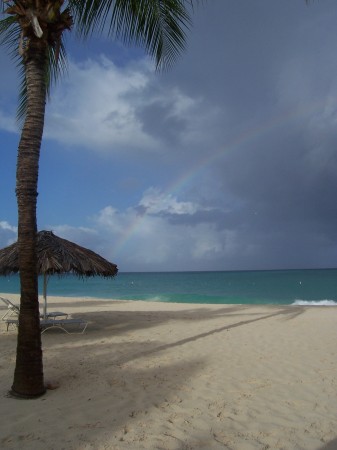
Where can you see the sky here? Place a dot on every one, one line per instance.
(227, 161)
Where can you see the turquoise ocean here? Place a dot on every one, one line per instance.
(271, 287)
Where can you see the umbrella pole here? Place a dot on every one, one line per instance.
(45, 282)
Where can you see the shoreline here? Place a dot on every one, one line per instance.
(64, 299)
(153, 375)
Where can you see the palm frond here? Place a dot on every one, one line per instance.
(10, 39)
(2, 6)
(9, 34)
(57, 66)
(22, 107)
(158, 25)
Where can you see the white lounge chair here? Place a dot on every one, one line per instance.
(63, 324)
(13, 309)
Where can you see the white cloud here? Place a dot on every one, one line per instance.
(71, 231)
(109, 109)
(144, 236)
(8, 233)
(4, 225)
(106, 108)
(149, 240)
(92, 107)
(155, 202)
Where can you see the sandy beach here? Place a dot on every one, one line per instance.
(179, 376)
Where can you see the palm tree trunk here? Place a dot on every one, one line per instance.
(28, 376)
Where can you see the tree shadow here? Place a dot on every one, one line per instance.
(206, 334)
(332, 445)
(123, 322)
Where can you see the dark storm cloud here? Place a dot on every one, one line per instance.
(276, 60)
(159, 120)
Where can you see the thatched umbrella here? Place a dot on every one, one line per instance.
(58, 256)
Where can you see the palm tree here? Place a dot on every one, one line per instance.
(33, 31)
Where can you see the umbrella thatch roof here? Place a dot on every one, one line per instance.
(58, 256)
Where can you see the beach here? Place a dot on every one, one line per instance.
(152, 375)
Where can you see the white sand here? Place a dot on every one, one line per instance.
(177, 376)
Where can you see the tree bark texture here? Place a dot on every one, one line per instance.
(28, 376)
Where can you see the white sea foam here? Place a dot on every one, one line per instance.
(315, 302)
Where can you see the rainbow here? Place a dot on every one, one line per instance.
(195, 170)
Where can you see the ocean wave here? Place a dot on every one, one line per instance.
(315, 302)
